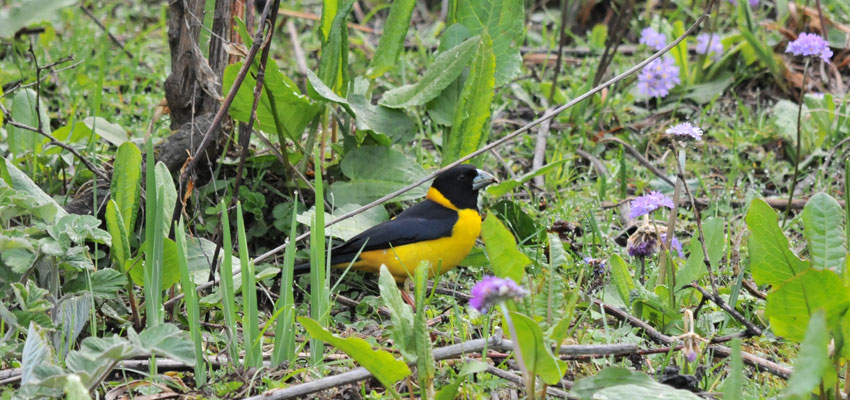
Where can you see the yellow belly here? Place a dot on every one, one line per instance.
(442, 254)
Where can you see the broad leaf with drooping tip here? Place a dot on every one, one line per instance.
(538, 358)
(380, 363)
(823, 222)
(771, 260)
(503, 20)
(506, 260)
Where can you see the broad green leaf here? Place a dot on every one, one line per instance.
(70, 316)
(112, 133)
(37, 351)
(23, 111)
(622, 278)
(165, 183)
(791, 303)
(97, 356)
(505, 259)
(503, 20)
(292, 111)
(715, 239)
(469, 127)
(380, 363)
(680, 52)
(379, 119)
(703, 93)
(103, 283)
(401, 316)
(333, 64)
(621, 383)
(116, 228)
(812, 359)
(126, 183)
(442, 72)
(823, 221)
(375, 171)
(525, 228)
(392, 40)
(536, 354)
(598, 36)
(734, 385)
(78, 229)
(26, 12)
(170, 267)
(441, 109)
(350, 227)
(771, 260)
(74, 388)
(503, 187)
(165, 340)
(19, 181)
(329, 10)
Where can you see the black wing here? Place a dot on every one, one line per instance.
(424, 221)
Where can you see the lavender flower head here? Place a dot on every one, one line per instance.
(685, 130)
(675, 244)
(753, 3)
(810, 45)
(648, 203)
(641, 248)
(492, 290)
(709, 44)
(652, 38)
(657, 78)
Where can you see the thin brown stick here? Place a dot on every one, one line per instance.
(517, 380)
(111, 36)
(752, 329)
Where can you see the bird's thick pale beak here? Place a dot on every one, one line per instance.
(483, 179)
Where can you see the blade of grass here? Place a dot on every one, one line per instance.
(318, 276)
(191, 300)
(284, 343)
(228, 301)
(250, 318)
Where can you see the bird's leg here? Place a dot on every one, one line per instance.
(405, 295)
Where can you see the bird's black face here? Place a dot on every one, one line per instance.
(460, 185)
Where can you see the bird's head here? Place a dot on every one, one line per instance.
(459, 185)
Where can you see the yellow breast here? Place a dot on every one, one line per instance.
(442, 254)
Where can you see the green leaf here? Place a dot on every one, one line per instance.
(622, 278)
(112, 133)
(26, 12)
(170, 266)
(166, 340)
(680, 52)
(74, 388)
(734, 385)
(823, 222)
(503, 20)
(506, 260)
(73, 228)
(392, 40)
(350, 227)
(37, 351)
(126, 185)
(442, 72)
(103, 283)
(375, 171)
(292, 110)
(812, 360)
(425, 364)
(469, 127)
(70, 316)
(448, 392)
(333, 64)
(23, 110)
(715, 239)
(621, 383)
(536, 354)
(706, 92)
(116, 228)
(791, 303)
(401, 316)
(19, 181)
(771, 260)
(379, 119)
(380, 363)
(169, 195)
(505, 186)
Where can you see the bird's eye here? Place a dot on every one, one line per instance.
(461, 178)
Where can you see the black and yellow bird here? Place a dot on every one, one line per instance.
(441, 230)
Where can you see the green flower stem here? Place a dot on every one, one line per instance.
(529, 382)
(797, 154)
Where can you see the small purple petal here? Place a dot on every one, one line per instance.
(652, 38)
(658, 78)
(675, 244)
(686, 129)
(649, 202)
(709, 44)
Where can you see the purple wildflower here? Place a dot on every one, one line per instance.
(685, 130)
(648, 203)
(709, 44)
(675, 244)
(753, 3)
(492, 290)
(810, 45)
(691, 356)
(652, 38)
(641, 248)
(657, 78)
